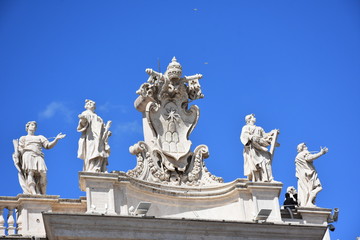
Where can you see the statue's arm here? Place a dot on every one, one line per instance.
(83, 122)
(245, 136)
(49, 145)
(311, 157)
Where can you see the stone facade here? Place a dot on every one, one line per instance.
(240, 200)
(82, 226)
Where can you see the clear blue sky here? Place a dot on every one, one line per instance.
(295, 64)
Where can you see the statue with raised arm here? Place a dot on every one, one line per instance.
(29, 159)
(257, 156)
(308, 182)
(94, 147)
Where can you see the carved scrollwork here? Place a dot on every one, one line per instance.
(140, 150)
(199, 175)
(208, 175)
(200, 153)
(157, 169)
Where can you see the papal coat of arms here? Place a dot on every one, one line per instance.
(165, 155)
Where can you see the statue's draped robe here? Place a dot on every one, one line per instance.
(32, 155)
(255, 159)
(307, 176)
(32, 159)
(93, 146)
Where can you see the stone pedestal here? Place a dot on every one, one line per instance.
(100, 192)
(30, 220)
(266, 196)
(314, 215)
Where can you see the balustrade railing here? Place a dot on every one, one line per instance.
(9, 224)
(22, 215)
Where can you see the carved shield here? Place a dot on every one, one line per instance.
(172, 126)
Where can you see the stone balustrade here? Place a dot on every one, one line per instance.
(9, 224)
(22, 215)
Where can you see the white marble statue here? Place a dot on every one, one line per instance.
(165, 156)
(93, 148)
(308, 182)
(29, 159)
(257, 156)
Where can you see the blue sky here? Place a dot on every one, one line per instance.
(295, 64)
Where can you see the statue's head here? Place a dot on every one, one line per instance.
(301, 147)
(174, 70)
(32, 125)
(250, 119)
(90, 105)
